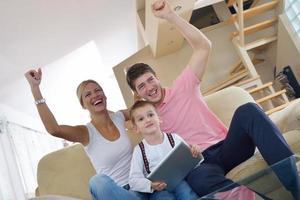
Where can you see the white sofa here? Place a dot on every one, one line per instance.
(66, 172)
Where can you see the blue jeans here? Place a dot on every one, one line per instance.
(102, 187)
(182, 192)
(162, 195)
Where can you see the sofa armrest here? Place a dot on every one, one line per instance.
(53, 197)
(65, 172)
(288, 119)
(224, 102)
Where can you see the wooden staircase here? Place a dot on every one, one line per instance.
(238, 76)
(238, 37)
(268, 95)
(243, 73)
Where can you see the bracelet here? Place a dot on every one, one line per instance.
(40, 101)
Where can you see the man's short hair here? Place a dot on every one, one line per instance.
(135, 71)
(136, 105)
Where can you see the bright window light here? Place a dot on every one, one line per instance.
(292, 11)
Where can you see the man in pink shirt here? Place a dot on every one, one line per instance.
(183, 110)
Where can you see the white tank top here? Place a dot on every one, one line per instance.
(111, 158)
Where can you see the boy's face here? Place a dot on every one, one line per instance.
(148, 87)
(146, 120)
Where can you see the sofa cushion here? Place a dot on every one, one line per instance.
(293, 139)
(251, 166)
(224, 102)
(53, 197)
(256, 162)
(288, 118)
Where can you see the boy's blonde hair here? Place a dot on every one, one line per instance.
(136, 105)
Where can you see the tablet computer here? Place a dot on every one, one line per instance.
(175, 166)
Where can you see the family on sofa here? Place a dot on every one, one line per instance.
(182, 110)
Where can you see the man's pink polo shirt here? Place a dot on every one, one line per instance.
(184, 111)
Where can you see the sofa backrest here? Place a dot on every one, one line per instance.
(65, 172)
(224, 102)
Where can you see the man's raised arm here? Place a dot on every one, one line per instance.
(199, 42)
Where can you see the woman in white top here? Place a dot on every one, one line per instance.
(104, 138)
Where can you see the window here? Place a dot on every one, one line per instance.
(292, 11)
(21, 148)
(29, 146)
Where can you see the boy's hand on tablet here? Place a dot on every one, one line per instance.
(158, 185)
(195, 150)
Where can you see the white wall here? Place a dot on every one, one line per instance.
(288, 47)
(72, 40)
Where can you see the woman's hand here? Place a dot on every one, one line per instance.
(195, 150)
(34, 77)
(158, 185)
(161, 9)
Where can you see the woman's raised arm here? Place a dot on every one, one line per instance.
(71, 133)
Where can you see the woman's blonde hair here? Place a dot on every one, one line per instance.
(81, 87)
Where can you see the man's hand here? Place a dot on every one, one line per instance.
(158, 185)
(161, 9)
(195, 150)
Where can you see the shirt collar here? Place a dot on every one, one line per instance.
(166, 97)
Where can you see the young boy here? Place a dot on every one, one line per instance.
(152, 149)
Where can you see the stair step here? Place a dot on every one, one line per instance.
(256, 27)
(260, 42)
(264, 86)
(243, 82)
(227, 82)
(269, 112)
(255, 10)
(271, 96)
